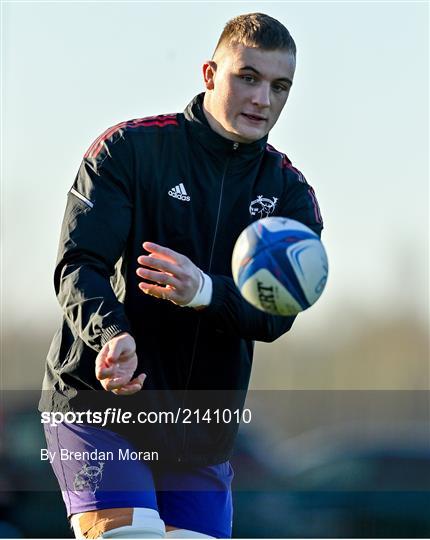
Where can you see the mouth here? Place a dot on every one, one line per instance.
(254, 118)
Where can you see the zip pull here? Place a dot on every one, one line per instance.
(235, 146)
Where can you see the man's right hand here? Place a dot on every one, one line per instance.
(116, 364)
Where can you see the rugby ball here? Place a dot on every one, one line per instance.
(279, 265)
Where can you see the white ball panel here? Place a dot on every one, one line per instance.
(265, 292)
(240, 251)
(309, 262)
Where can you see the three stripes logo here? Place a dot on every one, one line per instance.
(179, 192)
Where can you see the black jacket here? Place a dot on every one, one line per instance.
(168, 179)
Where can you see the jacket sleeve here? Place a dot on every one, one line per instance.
(231, 314)
(228, 311)
(93, 238)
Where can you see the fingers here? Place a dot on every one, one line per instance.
(113, 358)
(112, 383)
(119, 351)
(123, 384)
(165, 293)
(104, 372)
(163, 252)
(164, 261)
(157, 277)
(109, 366)
(105, 363)
(159, 264)
(131, 387)
(116, 363)
(101, 362)
(174, 276)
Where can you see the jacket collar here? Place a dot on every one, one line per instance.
(214, 143)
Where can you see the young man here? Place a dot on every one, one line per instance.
(152, 319)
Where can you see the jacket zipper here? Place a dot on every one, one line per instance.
(235, 146)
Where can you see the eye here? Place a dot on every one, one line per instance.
(278, 88)
(248, 78)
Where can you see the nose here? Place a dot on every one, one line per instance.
(261, 96)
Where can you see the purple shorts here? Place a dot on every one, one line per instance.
(98, 469)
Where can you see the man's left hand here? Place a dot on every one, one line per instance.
(173, 276)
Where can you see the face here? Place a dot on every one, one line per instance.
(246, 90)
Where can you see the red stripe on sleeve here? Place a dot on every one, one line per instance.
(159, 121)
(317, 211)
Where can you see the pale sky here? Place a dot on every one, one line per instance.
(356, 125)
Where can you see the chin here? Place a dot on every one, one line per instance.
(249, 134)
(247, 137)
(243, 134)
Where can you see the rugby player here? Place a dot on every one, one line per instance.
(151, 313)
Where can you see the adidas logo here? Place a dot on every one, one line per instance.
(178, 192)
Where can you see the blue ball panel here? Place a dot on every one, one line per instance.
(283, 271)
(264, 238)
(274, 259)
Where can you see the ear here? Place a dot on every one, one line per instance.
(209, 70)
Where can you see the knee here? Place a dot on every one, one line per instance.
(118, 523)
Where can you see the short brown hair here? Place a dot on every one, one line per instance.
(257, 30)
